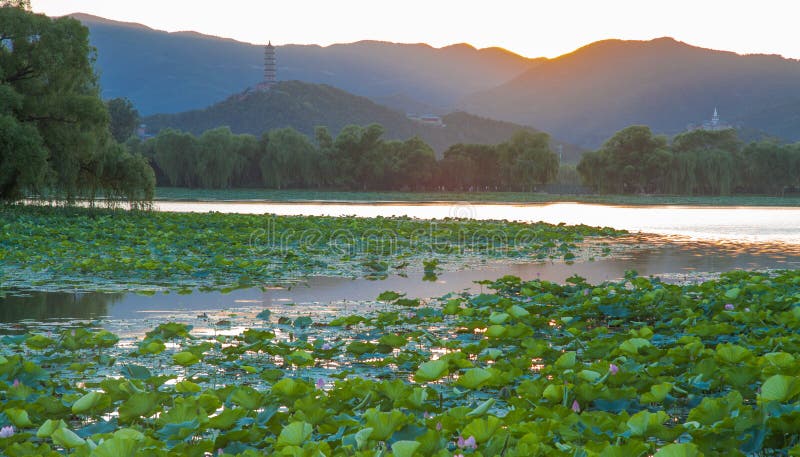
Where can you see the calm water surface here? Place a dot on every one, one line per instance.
(667, 258)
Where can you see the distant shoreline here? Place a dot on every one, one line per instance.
(323, 196)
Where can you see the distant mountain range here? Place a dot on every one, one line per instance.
(304, 106)
(171, 72)
(587, 95)
(582, 97)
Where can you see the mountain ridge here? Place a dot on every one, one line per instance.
(164, 72)
(587, 95)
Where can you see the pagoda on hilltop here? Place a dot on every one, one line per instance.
(714, 125)
(270, 68)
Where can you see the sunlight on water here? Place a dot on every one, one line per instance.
(746, 224)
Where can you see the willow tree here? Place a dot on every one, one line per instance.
(289, 160)
(176, 155)
(632, 160)
(56, 127)
(526, 160)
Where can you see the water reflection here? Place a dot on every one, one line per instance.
(17, 306)
(675, 259)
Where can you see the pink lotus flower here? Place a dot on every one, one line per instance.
(613, 369)
(576, 406)
(470, 443)
(7, 431)
(320, 383)
(729, 307)
(438, 426)
(16, 383)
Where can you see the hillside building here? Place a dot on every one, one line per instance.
(427, 119)
(713, 125)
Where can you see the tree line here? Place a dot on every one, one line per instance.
(55, 136)
(698, 162)
(357, 158)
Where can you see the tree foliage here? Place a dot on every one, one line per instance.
(124, 118)
(698, 162)
(55, 138)
(357, 158)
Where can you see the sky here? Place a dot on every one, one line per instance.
(532, 28)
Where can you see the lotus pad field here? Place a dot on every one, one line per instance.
(73, 248)
(633, 368)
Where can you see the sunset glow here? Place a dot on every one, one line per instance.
(533, 29)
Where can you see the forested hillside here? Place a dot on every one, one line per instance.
(304, 107)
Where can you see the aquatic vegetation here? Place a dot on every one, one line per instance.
(629, 368)
(72, 248)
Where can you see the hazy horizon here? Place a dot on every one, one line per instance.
(529, 30)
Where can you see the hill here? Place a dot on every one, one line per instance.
(587, 95)
(172, 72)
(304, 106)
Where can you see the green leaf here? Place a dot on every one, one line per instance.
(732, 294)
(644, 423)
(498, 318)
(632, 346)
(86, 402)
(139, 405)
(482, 408)
(589, 375)
(554, 393)
(518, 311)
(384, 424)
(405, 448)
(187, 387)
(295, 434)
(779, 388)
(389, 296)
(362, 437)
(474, 378)
(132, 371)
(657, 394)
(18, 417)
(301, 358)
(678, 450)
(117, 447)
(291, 388)
(482, 429)
(393, 340)
(66, 438)
(431, 371)
(185, 358)
(49, 427)
(630, 449)
(566, 361)
(732, 353)
(247, 397)
(495, 331)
